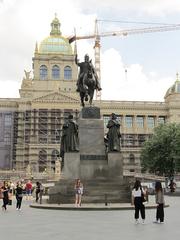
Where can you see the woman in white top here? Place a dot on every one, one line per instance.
(137, 201)
(78, 192)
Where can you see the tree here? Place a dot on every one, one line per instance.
(161, 152)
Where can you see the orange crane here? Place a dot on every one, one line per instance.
(125, 32)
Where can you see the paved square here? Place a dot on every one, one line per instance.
(38, 224)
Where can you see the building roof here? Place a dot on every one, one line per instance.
(55, 43)
(175, 88)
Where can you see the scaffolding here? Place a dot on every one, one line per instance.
(37, 137)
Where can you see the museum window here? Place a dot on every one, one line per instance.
(140, 121)
(8, 119)
(141, 139)
(106, 119)
(128, 140)
(43, 72)
(42, 161)
(129, 121)
(178, 88)
(27, 116)
(55, 72)
(1, 127)
(131, 158)
(7, 138)
(54, 158)
(43, 126)
(67, 73)
(150, 122)
(161, 120)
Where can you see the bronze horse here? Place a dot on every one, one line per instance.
(87, 85)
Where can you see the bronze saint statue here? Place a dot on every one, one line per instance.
(113, 134)
(87, 80)
(69, 139)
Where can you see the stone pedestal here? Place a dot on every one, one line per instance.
(91, 137)
(57, 169)
(72, 165)
(115, 165)
(93, 161)
(100, 173)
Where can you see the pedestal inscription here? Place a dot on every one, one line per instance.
(91, 113)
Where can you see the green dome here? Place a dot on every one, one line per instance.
(55, 44)
(175, 88)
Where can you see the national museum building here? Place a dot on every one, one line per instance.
(30, 126)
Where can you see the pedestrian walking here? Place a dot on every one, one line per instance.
(172, 186)
(78, 192)
(41, 193)
(28, 189)
(159, 198)
(5, 191)
(138, 197)
(19, 195)
(38, 184)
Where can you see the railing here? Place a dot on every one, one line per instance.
(143, 176)
(17, 175)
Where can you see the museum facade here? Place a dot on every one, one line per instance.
(30, 126)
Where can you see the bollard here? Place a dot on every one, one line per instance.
(105, 197)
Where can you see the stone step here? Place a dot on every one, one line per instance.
(95, 191)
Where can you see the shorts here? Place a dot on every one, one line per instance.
(28, 192)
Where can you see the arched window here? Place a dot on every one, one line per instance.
(55, 72)
(67, 73)
(131, 158)
(43, 72)
(42, 160)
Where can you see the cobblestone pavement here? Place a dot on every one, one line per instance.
(39, 224)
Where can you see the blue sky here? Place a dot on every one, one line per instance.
(151, 60)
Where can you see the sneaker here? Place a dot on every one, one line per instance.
(143, 221)
(155, 221)
(136, 221)
(161, 222)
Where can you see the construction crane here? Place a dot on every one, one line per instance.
(124, 33)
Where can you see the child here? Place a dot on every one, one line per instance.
(78, 192)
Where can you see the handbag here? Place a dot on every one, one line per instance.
(1, 195)
(142, 196)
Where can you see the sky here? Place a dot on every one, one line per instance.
(138, 67)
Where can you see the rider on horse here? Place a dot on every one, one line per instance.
(86, 69)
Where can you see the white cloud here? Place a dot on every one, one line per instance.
(23, 22)
(150, 7)
(130, 83)
(9, 89)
